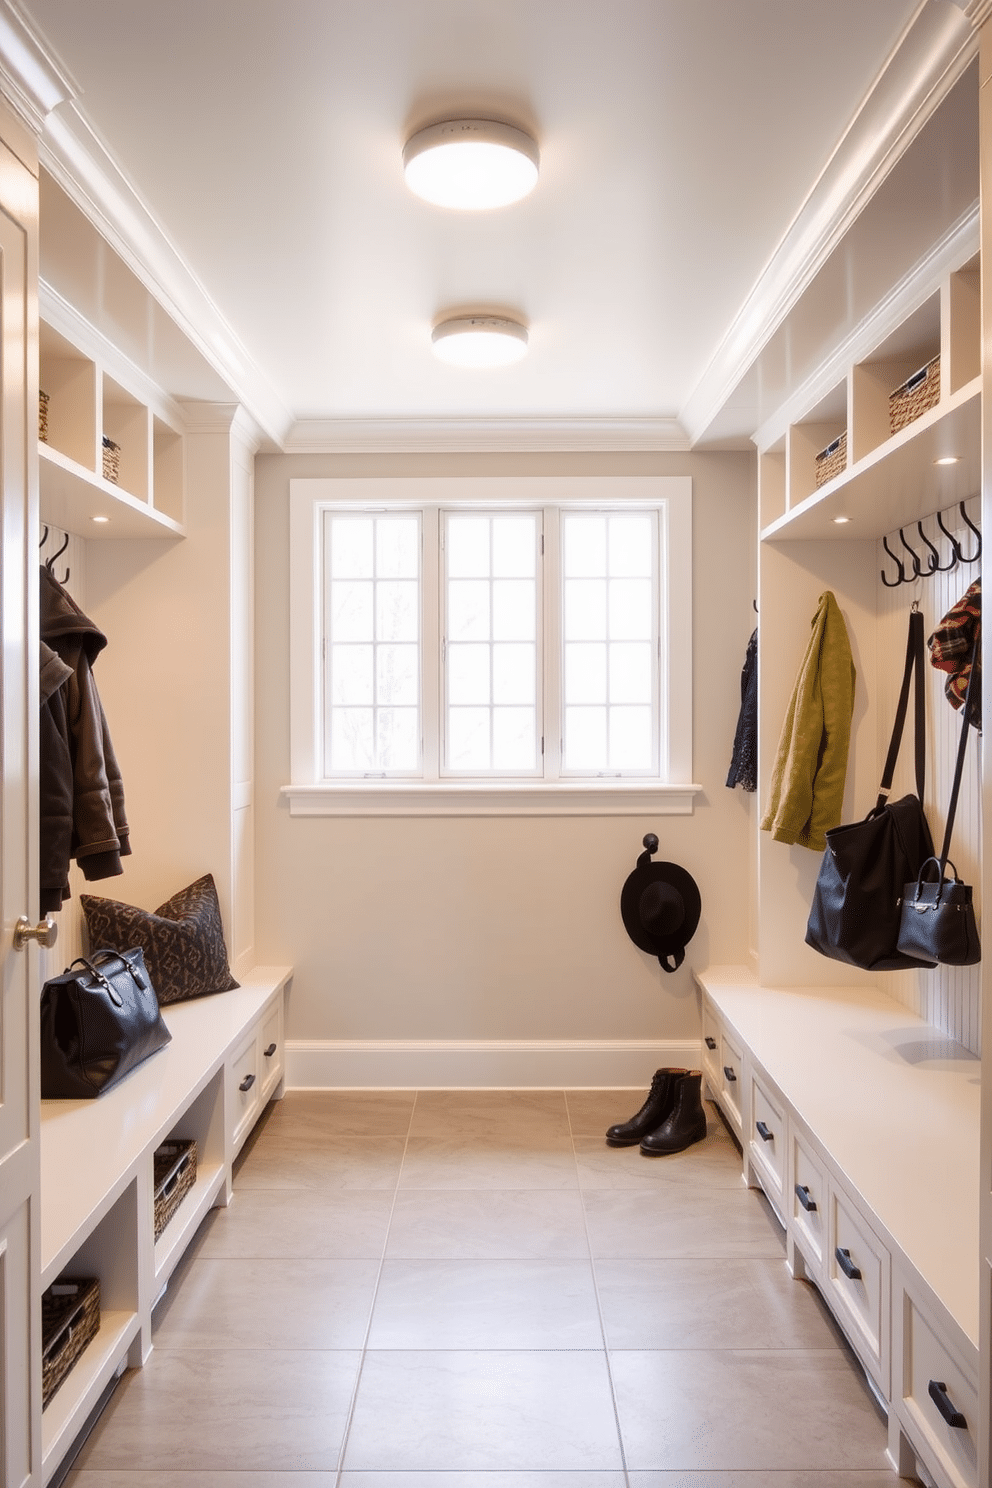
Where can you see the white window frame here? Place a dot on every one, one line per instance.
(308, 794)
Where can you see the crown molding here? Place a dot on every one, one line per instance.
(32, 79)
(485, 436)
(936, 46)
(72, 154)
(952, 250)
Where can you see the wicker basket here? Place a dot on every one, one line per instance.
(915, 396)
(832, 460)
(175, 1174)
(43, 416)
(70, 1317)
(111, 460)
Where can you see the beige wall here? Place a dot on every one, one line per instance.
(506, 928)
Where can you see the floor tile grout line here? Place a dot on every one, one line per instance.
(599, 1306)
(375, 1293)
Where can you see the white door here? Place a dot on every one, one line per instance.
(20, 1353)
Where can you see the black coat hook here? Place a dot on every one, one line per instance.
(970, 523)
(917, 570)
(955, 545)
(933, 563)
(892, 583)
(50, 562)
(44, 537)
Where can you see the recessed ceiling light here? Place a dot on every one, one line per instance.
(101, 519)
(948, 460)
(480, 341)
(471, 164)
(841, 520)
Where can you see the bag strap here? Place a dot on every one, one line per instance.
(959, 765)
(913, 673)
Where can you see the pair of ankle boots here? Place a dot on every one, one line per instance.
(671, 1118)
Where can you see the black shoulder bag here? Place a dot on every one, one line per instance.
(856, 906)
(937, 922)
(99, 1019)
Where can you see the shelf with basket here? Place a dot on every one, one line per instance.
(188, 1176)
(867, 456)
(92, 1319)
(110, 448)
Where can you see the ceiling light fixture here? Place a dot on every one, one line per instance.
(471, 164)
(841, 520)
(479, 341)
(948, 460)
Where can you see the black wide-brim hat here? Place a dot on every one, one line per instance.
(660, 905)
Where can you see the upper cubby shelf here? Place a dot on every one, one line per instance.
(897, 438)
(110, 451)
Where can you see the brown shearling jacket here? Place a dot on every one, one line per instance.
(82, 812)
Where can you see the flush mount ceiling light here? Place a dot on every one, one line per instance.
(480, 341)
(471, 164)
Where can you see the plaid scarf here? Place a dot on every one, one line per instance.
(950, 651)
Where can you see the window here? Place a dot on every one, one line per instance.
(490, 645)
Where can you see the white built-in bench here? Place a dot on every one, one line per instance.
(211, 1083)
(860, 1123)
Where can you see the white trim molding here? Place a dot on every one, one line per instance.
(455, 798)
(934, 50)
(481, 1064)
(580, 435)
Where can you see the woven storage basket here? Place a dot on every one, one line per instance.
(111, 460)
(43, 416)
(175, 1174)
(831, 461)
(915, 396)
(70, 1317)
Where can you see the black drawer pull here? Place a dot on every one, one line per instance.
(728, 1071)
(710, 1042)
(848, 1267)
(247, 1082)
(802, 1194)
(270, 1050)
(764, 1132)
(938, 1394)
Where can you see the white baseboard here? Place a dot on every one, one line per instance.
(453, 1064)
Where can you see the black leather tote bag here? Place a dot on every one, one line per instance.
(856, 907)
(99, 1019)
(937, 918)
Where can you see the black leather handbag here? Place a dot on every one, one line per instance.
(856, 909)
(937, 917)
(99, 1019)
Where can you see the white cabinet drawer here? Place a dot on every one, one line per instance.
(244, 1089)
(858, 1280)
(808, 1213)
(767, 1146)
(270, 1060)
(711, 1048)
(731, 1080)
(939, 1401)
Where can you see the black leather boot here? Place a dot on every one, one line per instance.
(661, 1099)
(685, 1122)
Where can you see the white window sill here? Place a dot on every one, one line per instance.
(457, 798)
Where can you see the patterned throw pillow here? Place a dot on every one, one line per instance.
(183, 940)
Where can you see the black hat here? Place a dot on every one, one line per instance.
(660, 905)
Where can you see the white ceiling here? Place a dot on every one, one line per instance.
(680, 143)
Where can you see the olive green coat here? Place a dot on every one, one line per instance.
(807, 787)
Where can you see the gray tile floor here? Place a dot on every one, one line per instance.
(469, 1289)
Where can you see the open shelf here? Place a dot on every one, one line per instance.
(82, 1387)
(85, 405)
(898, 481)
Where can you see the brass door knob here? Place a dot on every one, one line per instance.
(45, 932)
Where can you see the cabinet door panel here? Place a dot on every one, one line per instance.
(20, 1301)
